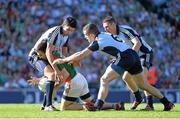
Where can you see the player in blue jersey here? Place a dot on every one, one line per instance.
(129, 36)
(54, 39)
(127, 64)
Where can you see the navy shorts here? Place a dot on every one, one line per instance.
(38, 64)
(146, 60)
(129, 61)
(117, 68)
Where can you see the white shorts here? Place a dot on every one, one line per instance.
(77, 87)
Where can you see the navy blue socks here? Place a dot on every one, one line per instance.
(44, 100)
(138, 96)
(49, 92)
(99, 104)
(164, 100)
(149, 100)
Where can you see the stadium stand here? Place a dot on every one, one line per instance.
(22, 21)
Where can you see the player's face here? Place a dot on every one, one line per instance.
(109, 27)
(67, 30)
(89, 37)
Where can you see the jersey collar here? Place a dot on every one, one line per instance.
(61, 30)
(97, 34)
(117, 29)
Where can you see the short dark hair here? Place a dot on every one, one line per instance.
(42, 46)
(109, 19)
(91, 29)
(70, 21)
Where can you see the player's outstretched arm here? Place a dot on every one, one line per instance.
(75, 57)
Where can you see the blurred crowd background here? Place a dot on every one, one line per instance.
(23, 21)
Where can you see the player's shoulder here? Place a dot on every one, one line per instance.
(128, 28)
(103, 37)
(54, 28)
(104, 34)
(125, 26)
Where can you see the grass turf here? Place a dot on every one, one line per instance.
(31, 111)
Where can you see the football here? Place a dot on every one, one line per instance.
(42, 84)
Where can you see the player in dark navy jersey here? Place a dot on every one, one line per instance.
(53, 40)
(127, 64)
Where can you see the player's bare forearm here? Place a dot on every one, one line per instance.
(78, 56)
(55, 67)
(49, 55)
(137, 44)
(75, 57)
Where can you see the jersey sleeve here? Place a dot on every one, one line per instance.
(94, 46)
(53, 36)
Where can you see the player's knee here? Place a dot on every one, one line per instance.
(103, 81)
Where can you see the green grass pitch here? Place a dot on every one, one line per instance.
(31, 111)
